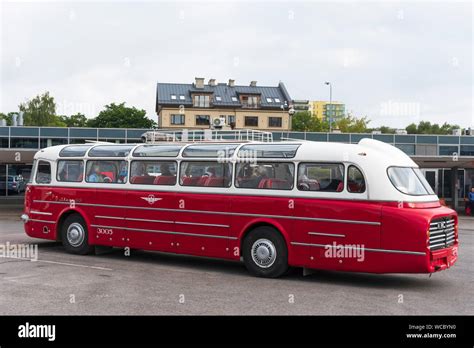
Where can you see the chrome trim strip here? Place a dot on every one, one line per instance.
(149, 220)
(160, 221)
(40, 213)
(46, 222)
(375, 223)
(166, 232)
(365, 249)
(326, 234)
(131, 219)
(200, 224)
(109, 217)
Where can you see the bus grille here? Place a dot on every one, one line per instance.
(442, 233)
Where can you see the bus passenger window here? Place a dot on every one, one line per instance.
(210, 174)
(355, 180)
(43, 174)
(327, 177)
(70, 171)
(265, 175)
(108, 172)
(153, 173)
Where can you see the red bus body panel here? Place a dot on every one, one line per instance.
(394, 238)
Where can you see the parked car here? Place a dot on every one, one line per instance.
(16, 184)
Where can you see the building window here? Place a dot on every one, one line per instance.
(173, 97)
(277, 100)
(274, 122)
(203, 120)
(269, 100)
(230, 119)
(26, 143)
(234, 99)
(249, 101)
(251, 121)
(218, 98)
(177, 119)
(181, 97)
(201, 101)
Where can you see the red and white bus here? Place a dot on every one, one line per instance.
(362, 207)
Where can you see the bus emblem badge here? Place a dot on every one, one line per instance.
(151, 199)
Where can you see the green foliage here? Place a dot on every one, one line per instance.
(351, 124)
(303, 121)
(7, 118)
(40, 111)
(387, 130)
(425, 127)
(77, 120)
(120, 116)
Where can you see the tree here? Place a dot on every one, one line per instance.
(351, 124)
(6, 118)
(77, 120)
(40, 111)
(412, 128)
(120, 116)
(387, 130)
(425, 127)
(304, 121)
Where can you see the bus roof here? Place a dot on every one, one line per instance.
(368, 151)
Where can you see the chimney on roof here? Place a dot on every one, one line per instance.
(253, 83)
(199, 82)
(212, 82)
(231, 83)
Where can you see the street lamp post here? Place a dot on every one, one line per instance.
(330, 105)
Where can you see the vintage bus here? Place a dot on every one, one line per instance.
(362, 207)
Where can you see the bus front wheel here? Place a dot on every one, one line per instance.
(74, 235)
(265, 252)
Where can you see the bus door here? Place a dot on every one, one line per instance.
(339, 221)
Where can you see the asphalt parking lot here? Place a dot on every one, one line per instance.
(154, 283)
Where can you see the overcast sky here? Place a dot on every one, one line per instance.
(395, 62)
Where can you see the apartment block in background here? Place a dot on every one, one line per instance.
(196, 105)
(324, 109)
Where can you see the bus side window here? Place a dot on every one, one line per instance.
(153, 172)
(43, 173)
(328, 177)
(355, 180)
(209, 174)
(70, 171)
(265, 175)
(108, 172)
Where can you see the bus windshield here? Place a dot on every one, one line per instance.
(410, 181)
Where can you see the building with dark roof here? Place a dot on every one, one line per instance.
(196, 105)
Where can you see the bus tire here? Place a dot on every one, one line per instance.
(265, 252)
(74, 235)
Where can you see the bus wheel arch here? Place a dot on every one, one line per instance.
(73, 232)
(264, 249)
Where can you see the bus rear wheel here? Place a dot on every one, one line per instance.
(265, 252)
(74, 235)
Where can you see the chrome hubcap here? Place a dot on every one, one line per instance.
(75, 234)
(263, 253)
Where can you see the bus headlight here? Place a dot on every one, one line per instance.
(25, 218)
